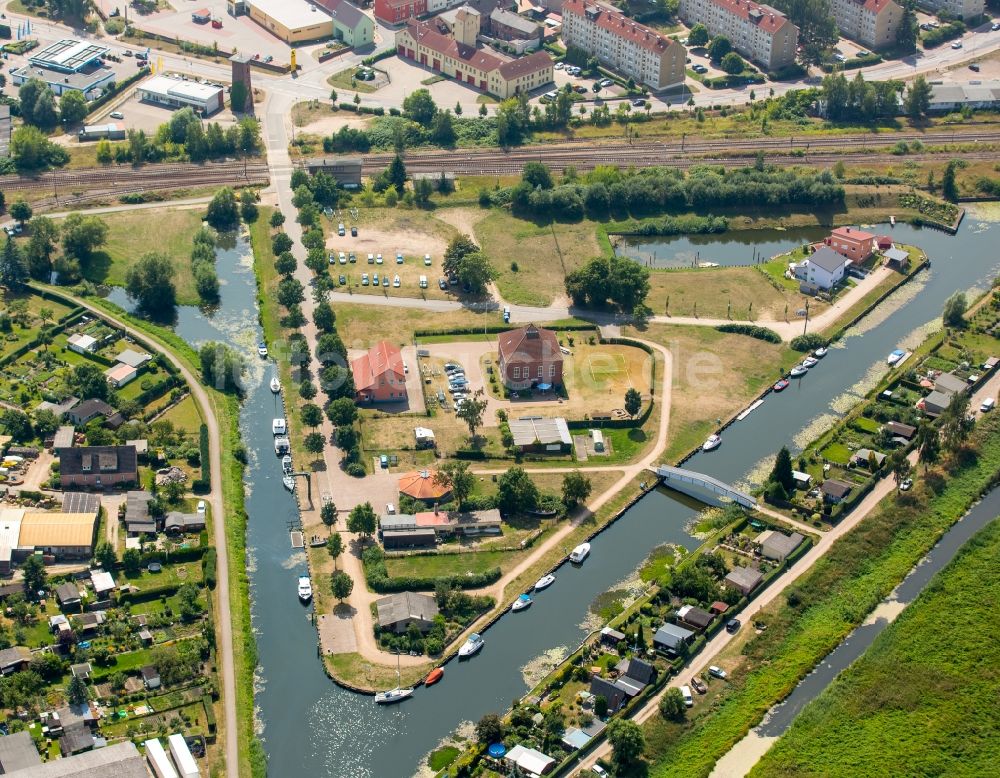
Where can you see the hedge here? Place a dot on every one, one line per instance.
(378, 57)
(208, 565)
(146, 595)
(752, 330)
(378, 579)
(852, 64)
(494, 329)
(116, 89)
(470, 453)
(206, 468)
(206, 700)
(808, 342)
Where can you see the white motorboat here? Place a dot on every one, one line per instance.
(305, 588)
(895, 356)
(713, 442)
(282, 445)
(521, 603)
(580, 553)
(544, 582)
(472, 645)
(262, 349)
(393, 695)
(809, 362)
(275, 383)
(286, 464)
(798, 371)
(279, 427)
(289, 483)
(820, 352)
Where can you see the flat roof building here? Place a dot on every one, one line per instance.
(293, 21)
(68, 55)
(534, 432)
(18, 752)
(91, 81)
(121, 760)
(346, 171)
(178, 93)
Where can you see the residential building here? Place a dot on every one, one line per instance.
(76, 739)
(759, 32)
(743, 579)
(176, 523)
(508, 26)
(293, 21)
(98, 467)
(138, 519)
(901, 431)
(398, 11)
(150, 677)
(398, 611)
(857, 245)
(533, 433)
(873, 23)
(119, 375)
(88, 410)
(529, 356)
(14, 659)
(694, 617)
(350, 24)
(422, 42)
(633, 49)
(612, 638)
(821, 271)
(18, 752)
(634, 675)
(935, 403)
(134, 358)
(529, 761)
(421, 485)
(606, 688)
(954, 96)
(777, 545)
(871, 460)
(379, 375)
(68, 595)
(445, 523)
(835, 491)
(82, 344)
(949, 383)
(672, 639)
(173, 92)
(960, 9)
(61, 408)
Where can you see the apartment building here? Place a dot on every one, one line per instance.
(872, 23)
(758, 32)
(632, 49)
(960, 9)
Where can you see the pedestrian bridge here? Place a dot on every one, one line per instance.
(701, 486)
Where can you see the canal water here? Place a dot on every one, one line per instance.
(736, 247)
(311, 727)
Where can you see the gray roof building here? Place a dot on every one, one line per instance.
(949, 383)
(68, 594)
(398, 611)
(671, 637)
(134, 358)
(88, 410)
(936, 402)
(75, 739)
(183, 522)
(13, 659)
(827, 259)
(63, 437)
(777, 545)
(122, 760)
(18, 752)
(744, 579)
(615, 695)
(835, 490)
(694, 616)
(534, 431)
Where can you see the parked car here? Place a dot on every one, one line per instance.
(906, 485)
(995, 26)
(378, 259)
(354, 232)
(385, 280)
(717, 672)
(117, 115)
(268, 58)
(686, 694)
(987, 405)
(974, 67)
(506, 315)
(399, 258)
(699, 685)
(559, 66)
(342, 257)
(442, 284)
(638, 103)
(201, 507)
(364, 279)
(383, 461)
(957, 45)
(599, 771)
(606, 82)
(395, 281)
(427, 260)
(371, 259)
(733, 626)
(342, 279)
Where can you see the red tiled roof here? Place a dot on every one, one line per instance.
(420, 485)
(381, 358)
(851, 234)
(425, 35)
(875, 6)
(768, 18)
(620, 25)
(530, 343)
(539, 60)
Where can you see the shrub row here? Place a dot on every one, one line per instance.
(208, 568)
(753, 330)
(206, 467)
(808, 342)
(146, 595)
(492, 329)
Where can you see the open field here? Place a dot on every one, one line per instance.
(596, 377)
(359, 323)
(184, 415)
(374, 676)
(710, 291)
(132, 234)
(715, 375)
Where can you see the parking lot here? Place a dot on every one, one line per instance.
(147, 116)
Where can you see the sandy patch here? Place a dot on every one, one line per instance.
(328, 125)
(743, 756)
(462, 219)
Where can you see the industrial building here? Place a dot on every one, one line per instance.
(293, 21)
(111, 131)
(63, 535)
(68, 65)
(177, 93)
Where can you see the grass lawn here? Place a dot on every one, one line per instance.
(597, 376)
(32, 306)
(362, 671)
(715, 375)
(132, 234)
(709, 291)
(345, 80)
(436, 565)
(359, 323)
(185, 415)
(544, 254)
(442, 757)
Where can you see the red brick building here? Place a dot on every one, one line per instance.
(529, 356)
(379, 375)
(97, 467)
(856, 245)
(398, 11)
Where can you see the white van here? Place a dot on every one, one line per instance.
(423, 282)
(686, 694)
(343, 258)
(427, 260)
(987, 405)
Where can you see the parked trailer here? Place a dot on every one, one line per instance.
(186, 765)
(158, 759)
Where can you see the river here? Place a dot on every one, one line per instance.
(311, 727)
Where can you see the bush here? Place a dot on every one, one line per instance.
(208, 568)
(808, 342)
(753, 330)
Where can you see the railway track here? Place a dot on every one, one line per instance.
(121, 179)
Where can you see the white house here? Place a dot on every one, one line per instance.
(82, 344)
(823, 269)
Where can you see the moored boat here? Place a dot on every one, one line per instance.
(521, 603)
(289, 483)
(781, 385)
(895, 356)
(580, 553)
(798, 371)
(820, 352)
(275, 383)
(286, 464)
(262, 349)
(544, 582)
(809, 362)
(713, 442)
(471, 646)
(305, 588)
(393, 696)
(434, 676)
(278, 427)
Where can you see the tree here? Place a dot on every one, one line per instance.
(955, 306)
(16, 424)
(423, 188)
(224, 211)
(618, 281)
(719, 48)
(73, 107)
(471, 412)
(908, 32)
(31, 150)
(627, 741)
(150, 282)
(733, 64)
(475, 271)
(949, 189)
(341, 585)
(335, 547)
(633, 402)
(929, 445)
(672, 705)
(35, 577)
(281, 243)
(817, 28)
(41, 245)
(342, 412)
(312, 415)
(516, 492)
(221, 367)
(76, 689)
(490, 729)
(277, 219)
(443, 129)
(46, 423)
(87, 380)
(918, 99)
(458, 248)
(105, 556)
(698, 35)
(483, 110)
(13, 268)
(82, 236)
(314, 443)
(362, 520)
(536, 175)
(20, 209)
(420, 106)
(782, 471)
(132, 561)
(576, 488)
(290, 292)
(395, 175)
(457, 478)
(900, 467)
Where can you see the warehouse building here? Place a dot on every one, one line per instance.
(68, 65)
(293, 21)
(177, 93)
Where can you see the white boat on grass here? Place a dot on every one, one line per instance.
(713, 442)
(544, 582)
(580, 553)
(305, 588)
(521, 603)
(471, 646)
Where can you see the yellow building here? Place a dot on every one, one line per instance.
(64, 535)
(293, 21)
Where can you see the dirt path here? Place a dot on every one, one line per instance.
(223, 620)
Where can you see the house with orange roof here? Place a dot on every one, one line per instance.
(379, 375)
(857, 245)
(420, 485)
(529, 356)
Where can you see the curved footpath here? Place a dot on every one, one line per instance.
(224, 651)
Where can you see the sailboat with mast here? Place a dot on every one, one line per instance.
(394, 695)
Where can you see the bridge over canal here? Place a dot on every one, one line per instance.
(703, 487)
